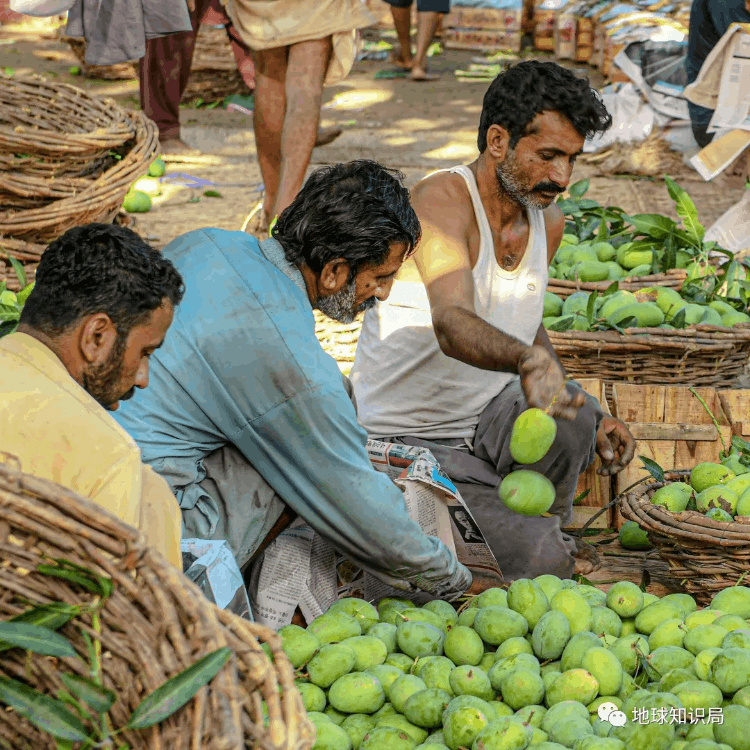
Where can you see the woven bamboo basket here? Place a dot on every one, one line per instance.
(98, 200)
(26, 252)
(673, 279)
(704, 556)
(699, 355)
(155, 624)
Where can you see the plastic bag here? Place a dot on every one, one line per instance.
(41, 8)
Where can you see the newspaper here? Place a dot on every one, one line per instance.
(300, 568)
(212, 567)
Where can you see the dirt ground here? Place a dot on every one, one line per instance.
(416, 127)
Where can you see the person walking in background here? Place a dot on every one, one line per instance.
(429, 14)
(299, 47)
(164, 72)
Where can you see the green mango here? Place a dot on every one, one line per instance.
(525, 596)
(425, 708)
(357, 693)
(593, 270)
(642, 270)
(632, 536)
(604, 251)
(575, 608)
(625, 599)
(386, 738)
(463, 646)
(647, 315)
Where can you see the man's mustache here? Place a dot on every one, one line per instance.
(548, 187)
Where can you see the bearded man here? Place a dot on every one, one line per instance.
(101, 306)
(249, 419)
(458, 351)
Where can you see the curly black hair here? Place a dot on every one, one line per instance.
(528, 88)
(99, 268)
(354, 211)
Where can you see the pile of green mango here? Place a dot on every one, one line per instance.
(527, 668)
(653, 307)
(601, 261)
(720, 490)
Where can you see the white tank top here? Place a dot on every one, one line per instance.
(404, 384)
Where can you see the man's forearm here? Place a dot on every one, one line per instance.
(464, 336)
(542, 339)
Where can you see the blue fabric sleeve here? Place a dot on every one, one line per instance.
(311, 450)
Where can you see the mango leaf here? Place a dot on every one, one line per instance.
(581, 497)
(740, 444)
(568, 207)
(654, 225)
(73, 576)
(670, 253)
(52, 616)
(591, 307)
(611, 289)
(603, 235)
(48, 714)
(560, 326)
(63, 745)
(578, 189)
(35, 638)
(685, 209)
(582, 580)
(629, 322)
(18, 268)
(178, 690)
(653, 468)
(678, 321)
(97, 696)
(212, 194)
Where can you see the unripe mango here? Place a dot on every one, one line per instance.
(575, 608)
(629, 258)
(647, 315)
(604, 251)
(357, 693)
(463, 646)
(553, 305)
(707, 474)
(526, 597)
(593, 270)
(527, 492)
(615, 271)
(496, 624)
(532, 436)
(642, 270)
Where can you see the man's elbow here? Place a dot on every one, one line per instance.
(443, 333)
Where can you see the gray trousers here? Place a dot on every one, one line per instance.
(525, 546)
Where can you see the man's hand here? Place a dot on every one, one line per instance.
(615, 445)
(543, 382)
(191, 6)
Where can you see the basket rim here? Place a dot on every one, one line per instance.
(717, 335)
(676, 274)
(687, 525)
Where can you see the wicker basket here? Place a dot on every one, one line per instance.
(704, 556)
(699, 355)
(155, 624)
(99, 200)
(672, 279)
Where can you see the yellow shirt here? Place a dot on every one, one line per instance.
(59, 432)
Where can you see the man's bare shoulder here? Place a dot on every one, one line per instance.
(440, 189)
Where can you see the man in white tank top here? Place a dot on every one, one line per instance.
(458, 351)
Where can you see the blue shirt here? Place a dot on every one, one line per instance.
(241, 364)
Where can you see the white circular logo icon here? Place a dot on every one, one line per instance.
(617, 719)
(605, 710)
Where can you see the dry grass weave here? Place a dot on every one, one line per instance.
(155, 624)
(672, 279)
(79, 159)
(704, 556)
(699, 355)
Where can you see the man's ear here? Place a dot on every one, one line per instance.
(498, 142)
(334, 275)
(96, 338)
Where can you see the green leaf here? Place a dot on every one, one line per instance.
(563, 325)
(582, 580)
(631, 322)
(670, 253)
(581, 497)
(678, 321)
(18, 268)
(195, 199)
(653, 468)
(611, 289)
(35, 638)
(9, 71)
(685, 209)
(63, 745)
(178, 690)
(654, 225)
(97, 696)
(740, 444)
(579, 189)
(23, 295)
(48, 714)
(603, 235)
(52, 616)
(73, 576)
(591, 307)
(213, 105)
(213, 194)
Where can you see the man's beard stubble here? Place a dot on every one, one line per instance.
(511, 184)
(101, 382)
(340, 305)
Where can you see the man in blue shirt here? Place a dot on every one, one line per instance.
(247, 413)
(709, 21)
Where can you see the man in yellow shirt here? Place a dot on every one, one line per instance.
(102, 304)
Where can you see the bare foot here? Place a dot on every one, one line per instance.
(327, 135)
(419, 74)
(397, 58)
(178, 147)
(587, 558)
